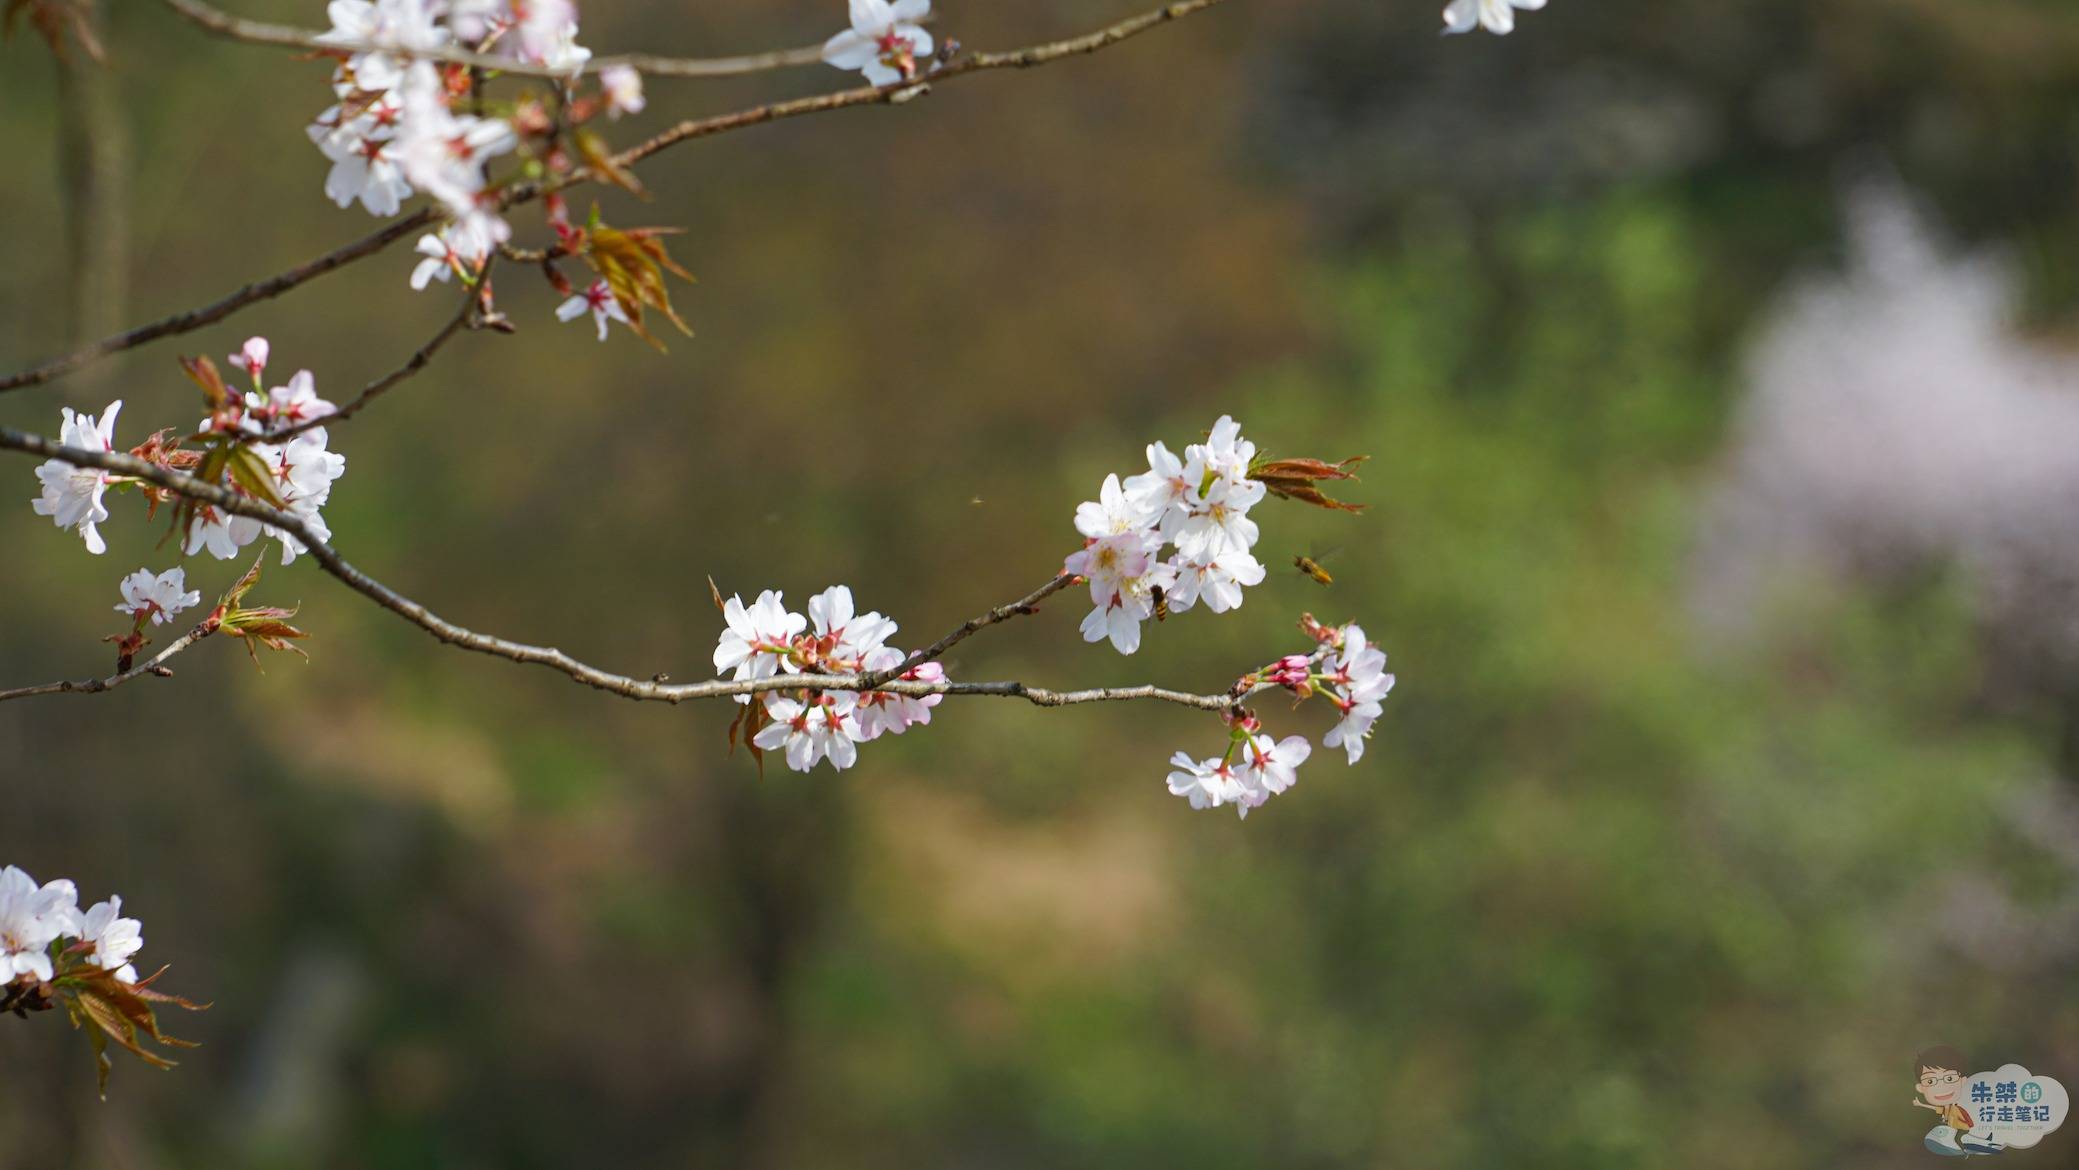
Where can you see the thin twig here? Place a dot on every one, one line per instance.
(932, 653)
(382, 385)
(899, 92)
(94, 686)
(256, 32)
(652, 689)
(527, 192)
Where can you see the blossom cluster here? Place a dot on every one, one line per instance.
(395, 129)
(41, 927)
(302, 469)
(765, 640)
(1198, 505)
(1344, 668)
(294, 472)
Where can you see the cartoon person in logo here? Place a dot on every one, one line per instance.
(1942, 1083)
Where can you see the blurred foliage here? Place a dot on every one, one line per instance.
(1601, 894)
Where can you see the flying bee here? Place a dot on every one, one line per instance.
(1312, 568)
(1161, 604)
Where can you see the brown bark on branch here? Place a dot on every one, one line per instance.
(651, 689)
(94, 686)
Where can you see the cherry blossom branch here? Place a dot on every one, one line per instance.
(528, 192)
(653, 689)
(419, 360)
(255, 32)
(155, 665)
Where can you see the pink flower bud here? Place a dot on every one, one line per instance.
(1290, 672)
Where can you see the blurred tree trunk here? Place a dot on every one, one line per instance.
(93, 179)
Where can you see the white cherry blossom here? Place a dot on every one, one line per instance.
(1350, 731)
(160, 597)
(439, 263)
(546, 31)
(441, 152)
(810, 732)
(1205, 783)
(842, 635)
(885, 41)
(1168, 489)
(72, 495)
(378, 25)
(758, 637)
(1220, 522)
(115, 939)
(363, 168)
(1496, 16)
(1268, 767)
(1218, 581)
(31, 918)
(1113, 512)
(1360, 668)
(597, 300)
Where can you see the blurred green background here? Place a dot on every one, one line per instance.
(1715, 364)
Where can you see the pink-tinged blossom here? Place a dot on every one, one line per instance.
(885, 41)
(286, 406)
(31, 918)
(1123, 575)
(597, 300)
(159, 597)
(114, 939)
(252, 357)
(622, 86)
(822, 728)
(758, 638)
(879, 712)
(1205, 783)
(72, 495)
(1267, 768)
(1496, 16)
